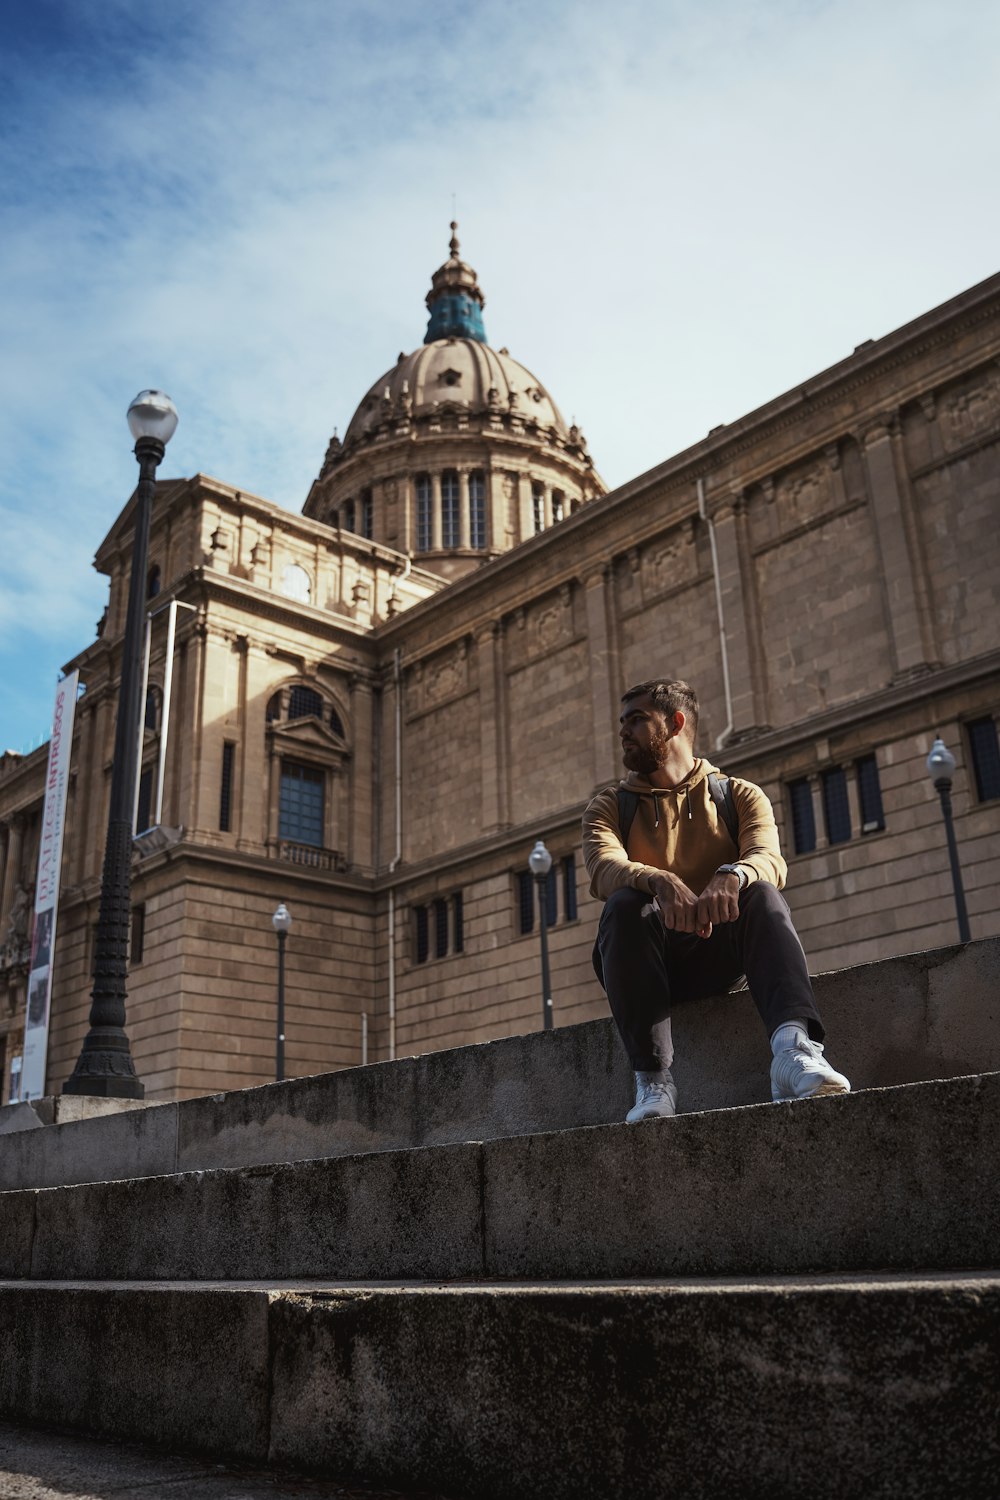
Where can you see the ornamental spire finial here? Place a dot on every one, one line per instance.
(453, 242)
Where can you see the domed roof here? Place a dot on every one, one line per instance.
(450, 374)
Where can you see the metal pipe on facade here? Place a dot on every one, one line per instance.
(720, 739)
(397, 677)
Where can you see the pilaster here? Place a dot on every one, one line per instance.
(603, 692)
(361, 853)
(897, 572)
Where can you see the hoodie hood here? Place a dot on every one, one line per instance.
(668, 801)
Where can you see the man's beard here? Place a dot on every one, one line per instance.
(647, 761)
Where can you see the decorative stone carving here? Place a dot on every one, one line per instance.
(805, 493)
(971, 413)
(669, 561)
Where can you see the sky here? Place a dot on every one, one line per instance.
(678, 209)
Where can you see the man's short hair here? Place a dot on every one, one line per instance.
(669, 698)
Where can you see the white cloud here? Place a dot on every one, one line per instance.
(676, 213)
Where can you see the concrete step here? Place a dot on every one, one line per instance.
(929, 1015)
(877, 1386)
(903, 1178)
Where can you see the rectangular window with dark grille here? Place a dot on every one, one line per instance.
(803, 821)
(458, 923)
(226, 791)
(870, 795)
(300, 816)
(525, 901)
(985, 754)
(137, 941)
(477, 509)
(569, 888)
(367, 515)
(440, 928)
(144, 816)
(424, 502)
(423, 947)
(449, 508)
(552, 896)
(836, 808)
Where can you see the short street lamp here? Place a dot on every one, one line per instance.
(105, 1067)
(941, 769)
(540, 863)
(282, 921)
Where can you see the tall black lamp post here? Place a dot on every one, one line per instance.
(540, 863)
(282, 920)
(941, 769)
(105, 1067)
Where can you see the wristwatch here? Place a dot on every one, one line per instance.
(734, 870)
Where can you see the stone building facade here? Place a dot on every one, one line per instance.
(377, 706)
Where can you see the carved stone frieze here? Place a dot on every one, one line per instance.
(805, 493)
(438, 679)
(669, 561)
(971, 413)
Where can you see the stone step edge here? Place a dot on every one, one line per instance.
(381, 1385)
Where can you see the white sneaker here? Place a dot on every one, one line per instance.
(655, 1097)
(802, 1072)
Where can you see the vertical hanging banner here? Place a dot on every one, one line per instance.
(43, 937)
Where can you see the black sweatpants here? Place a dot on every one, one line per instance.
(644, 968)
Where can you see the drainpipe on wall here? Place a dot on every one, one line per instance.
(720, 739)
(397, 681)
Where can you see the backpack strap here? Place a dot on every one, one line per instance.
(721, 789)
(628, 806)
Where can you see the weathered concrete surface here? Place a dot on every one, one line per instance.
(647, 1393)
(61, 1109)
(17, 1233)
(126, 1143)
(928, 1015)
(394, 1214)
(185, 1367)
(884, 1386)
(905, 1178)
(37, 1465)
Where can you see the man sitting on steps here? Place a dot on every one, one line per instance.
(715, 912)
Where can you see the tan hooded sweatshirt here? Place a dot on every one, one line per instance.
(679, 829)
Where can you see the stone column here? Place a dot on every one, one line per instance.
(464, 509)
(437, 531)
(738, 616)
(603, 691)
(547, 506)
(12, 867)
(361, 853)
(898, 580)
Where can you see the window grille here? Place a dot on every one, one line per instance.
(300, 816)
(985, 754)
(525, 901)
(836, 808)
(477, 510)
(449, 508)
(424, 503)
(569, 888)
(870, 795)
(420, 916)
(457, 923)
(440, 928)
(803, 819)
(304, 703)
(226, 790)
(367, 515)
(350, 524)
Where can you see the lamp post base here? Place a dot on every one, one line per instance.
(105, 1075)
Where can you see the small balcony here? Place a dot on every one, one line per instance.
(312, 857)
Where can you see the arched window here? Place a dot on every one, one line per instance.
(153, 581)
(423, 537)
(304, 703)
(477, 509)
(273, 711)
(449, 508)
(367, 515)
(296, 583)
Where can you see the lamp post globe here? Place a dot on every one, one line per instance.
(941, 769)
(105, 1067)
(540, 863)
(281, 922)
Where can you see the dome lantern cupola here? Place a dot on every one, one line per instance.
(455, 301)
